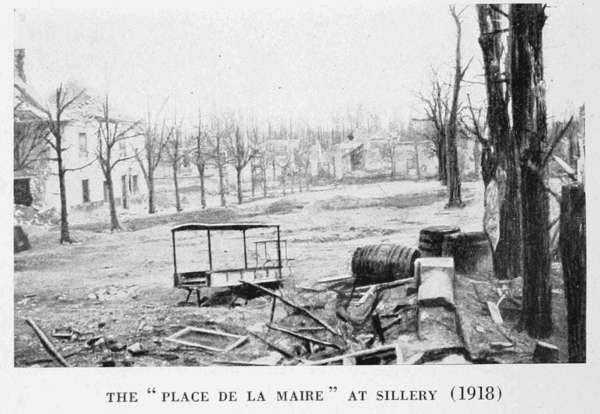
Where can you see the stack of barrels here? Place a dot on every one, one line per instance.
(380, 263)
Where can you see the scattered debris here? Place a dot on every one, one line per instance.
(113, 345)
(303, 337)
(137, 349)
(95, 341)
(46, 343)
(191, 330)
(383, 355)
(108, 362)
(273, 358)
(292, 305)
(282, 351)
(495, 313)
(501, 345)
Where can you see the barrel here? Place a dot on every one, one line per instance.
(432, 238)
(471, 252)
(379, 263)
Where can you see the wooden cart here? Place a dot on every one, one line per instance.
(268, 269)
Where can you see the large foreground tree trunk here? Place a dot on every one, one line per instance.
(529, 127)
(573, 258)
(501, 171)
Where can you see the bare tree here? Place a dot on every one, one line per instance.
(200, 157)
(286, 166)
(454, 196)
(473, 126)
(156, 137)
(112, 132)
(264, 157)
(221, 131)
(63, 99)
(436, 113)
(174, 154)
(241, 152)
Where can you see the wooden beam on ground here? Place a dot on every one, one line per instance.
(48, 346)
(303, 337)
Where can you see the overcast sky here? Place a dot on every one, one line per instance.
(309, 62)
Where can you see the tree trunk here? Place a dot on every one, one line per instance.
(573, 258)
(441, 156)
(253, 179)
(114, 220)
(529, 127)
(202, 187)
(476, 158)
(221, 185)
(176, 186)
(264, 171)
(150, 185)
(65, 236)
(453, 173)
(500, 167)
(417, 165)
(238, 176)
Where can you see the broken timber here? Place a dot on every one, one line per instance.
(303, 337)
(290, 304)
(386, 352)
(46, 343)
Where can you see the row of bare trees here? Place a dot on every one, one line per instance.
(219, 143)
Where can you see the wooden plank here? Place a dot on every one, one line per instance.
(303, 337)
(495, 313)
(46, 343)
(364, 352)
(334, 279)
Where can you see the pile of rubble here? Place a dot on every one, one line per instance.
(32, 216)
(396, 308)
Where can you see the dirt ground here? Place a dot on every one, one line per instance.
(120, 285)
